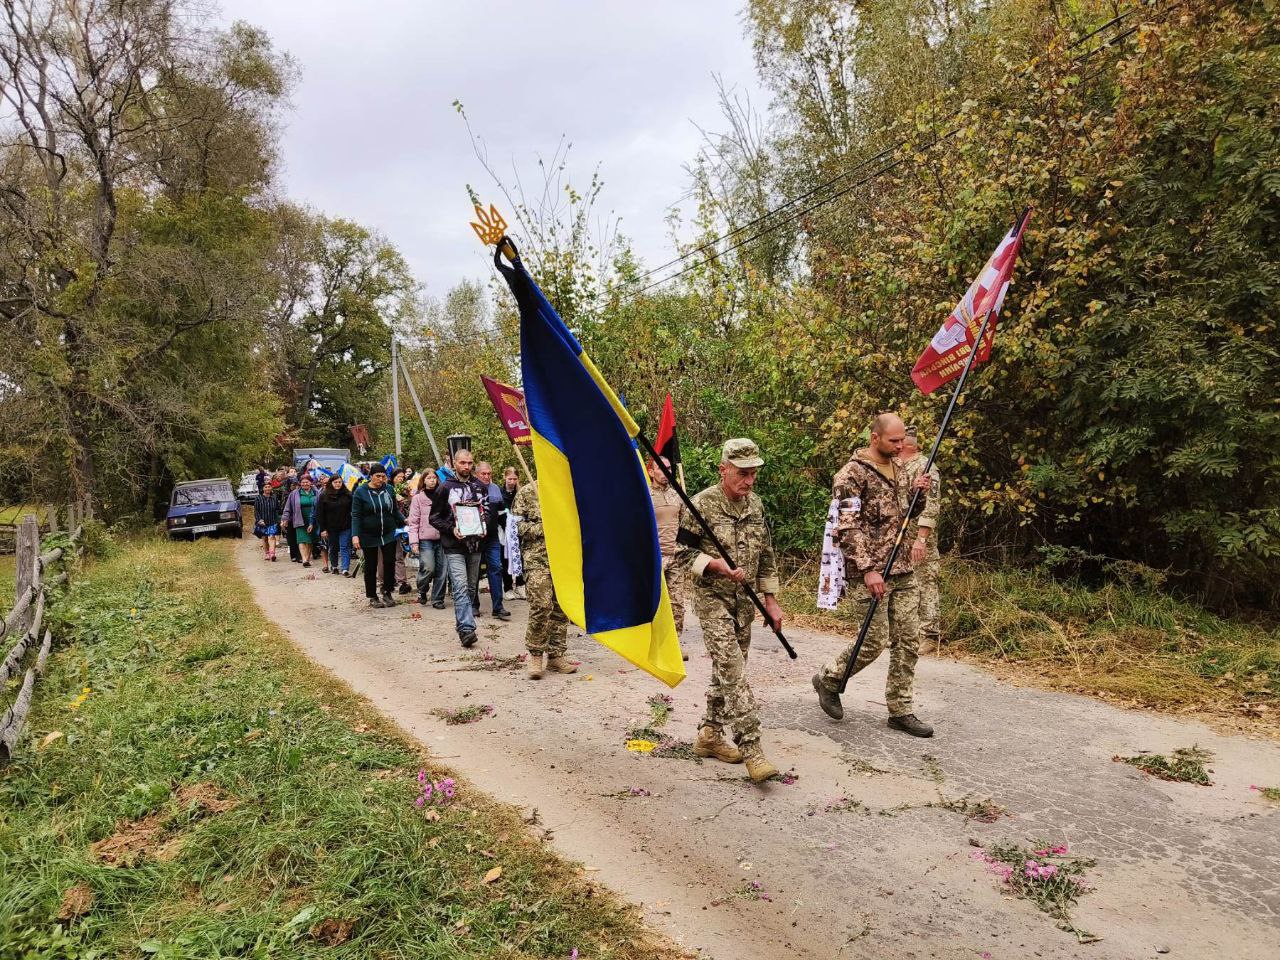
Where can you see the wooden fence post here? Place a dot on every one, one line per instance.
(51, 515)
(73, 515)
(88, 509)
(27, 550)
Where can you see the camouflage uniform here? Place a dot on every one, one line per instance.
(548, 627)
(722, 606)
(926, 571)
(871, 509)
(668, 509)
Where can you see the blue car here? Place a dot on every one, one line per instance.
(203, 506)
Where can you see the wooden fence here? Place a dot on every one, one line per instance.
(46, 515)
(33, 591)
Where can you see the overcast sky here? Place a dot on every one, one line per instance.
(373, 136)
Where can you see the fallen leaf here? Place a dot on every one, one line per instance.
(333, 932)
(432, 815)
(433, 843)
(48, 739)
(253, 735)
(76, 902)
(492, 875)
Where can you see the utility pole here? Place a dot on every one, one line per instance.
(413, 395)
(395, 392)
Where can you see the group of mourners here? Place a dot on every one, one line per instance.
(392, 517)
(456, 520)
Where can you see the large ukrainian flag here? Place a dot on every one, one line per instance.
(597, 515)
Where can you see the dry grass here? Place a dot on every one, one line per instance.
(1128, 643)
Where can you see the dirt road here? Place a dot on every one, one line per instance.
(870, 852)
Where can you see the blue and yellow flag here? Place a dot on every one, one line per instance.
(597, 514)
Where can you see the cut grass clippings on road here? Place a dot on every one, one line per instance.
(1187, 765)
(1127, 642)
(245, 804)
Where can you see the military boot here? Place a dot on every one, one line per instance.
(911, 724)
(560, 665)
(759, 769)
(828, 700)
(535, 666)
(711, 743)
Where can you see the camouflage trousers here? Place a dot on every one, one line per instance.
(896, 624)
(730, 703)
(548, 627)
(927, 585)
(677, 577)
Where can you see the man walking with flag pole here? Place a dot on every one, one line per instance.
(964, 338)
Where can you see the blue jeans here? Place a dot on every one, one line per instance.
(464, 569)
(431, 569)
(343, 538)
(492, 553)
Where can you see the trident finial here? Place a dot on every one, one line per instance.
(491, 228)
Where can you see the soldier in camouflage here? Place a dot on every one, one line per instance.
(922, 534)
(668, 508)
(873, 493)
(547, 632)
(736, 515)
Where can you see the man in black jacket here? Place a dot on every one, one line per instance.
(462, 501)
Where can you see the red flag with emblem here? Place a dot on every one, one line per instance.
(950, 347)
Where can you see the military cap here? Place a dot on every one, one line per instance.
(742, 452)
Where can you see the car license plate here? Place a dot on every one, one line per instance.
(204, 528)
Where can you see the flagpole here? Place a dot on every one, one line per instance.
(706, 528)
(413, 395)
(915, 494)
(520, 455)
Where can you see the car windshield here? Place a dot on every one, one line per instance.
(201, 493)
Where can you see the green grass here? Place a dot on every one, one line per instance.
(12, 516)
(313, 846)
(1187, 765)
(1126, 641)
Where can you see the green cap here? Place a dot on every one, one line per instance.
(742, 452)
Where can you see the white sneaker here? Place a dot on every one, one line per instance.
(518, 590)
(509, 595)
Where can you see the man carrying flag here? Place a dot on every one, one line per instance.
(723, 607)
(874, 511)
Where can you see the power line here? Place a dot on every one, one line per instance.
(860, 165)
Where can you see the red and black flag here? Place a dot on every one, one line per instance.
(666, 442)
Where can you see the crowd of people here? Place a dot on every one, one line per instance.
(458, 524)
(391, 517)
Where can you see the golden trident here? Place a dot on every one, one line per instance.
(492, 229)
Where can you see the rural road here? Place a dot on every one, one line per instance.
(1182, 870)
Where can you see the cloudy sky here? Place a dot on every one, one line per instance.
(373, 136)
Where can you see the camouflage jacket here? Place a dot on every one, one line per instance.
(533, 545)
(928, 517)
(871, 510)
(743, 530)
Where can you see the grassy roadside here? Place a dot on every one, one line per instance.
(212, 794)
(1127, 643)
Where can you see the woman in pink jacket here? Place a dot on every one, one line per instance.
(424, 541)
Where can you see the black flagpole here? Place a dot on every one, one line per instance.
(915, 494)
(706, 528)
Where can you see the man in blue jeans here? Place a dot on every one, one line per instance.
(462, 496)
(491, 549)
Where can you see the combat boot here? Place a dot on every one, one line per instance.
(560, 665)
(711, 743)
(828, 700)
(535, 666)
(759, 769)
(911, 724)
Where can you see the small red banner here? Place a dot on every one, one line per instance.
(508, 404)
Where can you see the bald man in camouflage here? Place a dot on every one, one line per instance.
(874, 492)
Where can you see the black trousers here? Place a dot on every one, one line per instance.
(371, 566)
(291, 535)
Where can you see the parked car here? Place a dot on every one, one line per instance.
(203, 506)
(247, 492)
(331, 458)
